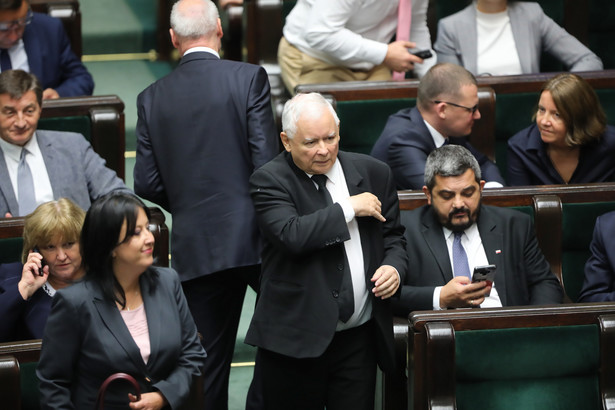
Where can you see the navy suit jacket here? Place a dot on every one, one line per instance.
(297, 310)
(21, 319)
(86, 340)
(405, 144)
(52, 60)
(75, 171)
(202, 130)
(523, 275)
(599, 283)
(529, 164)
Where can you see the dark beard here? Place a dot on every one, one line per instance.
(460, 228)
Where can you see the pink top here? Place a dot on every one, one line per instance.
(136, 322)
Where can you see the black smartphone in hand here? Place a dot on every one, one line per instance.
(43, 263)
(421, 53)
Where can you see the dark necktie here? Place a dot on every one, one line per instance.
(25, 186)
(345, 299)
(460, 258)
(5, 60)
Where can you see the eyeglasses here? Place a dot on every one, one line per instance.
(471, 110)
(19, 23)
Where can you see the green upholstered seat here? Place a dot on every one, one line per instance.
(30, 396)
(578, 226)
(80, 124)
(528, 368)
(10, 250)
(362, 122)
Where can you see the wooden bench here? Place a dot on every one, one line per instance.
(100, 119)
(11, 241)
(564, 218)
(69, 13)
(527, 357)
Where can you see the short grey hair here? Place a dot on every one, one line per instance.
(300, 104)
(449, 161)
(196, 21)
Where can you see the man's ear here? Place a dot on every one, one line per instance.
(285, 141)
(440, 110)
(174, 38)
(219, 32)
(427, 194)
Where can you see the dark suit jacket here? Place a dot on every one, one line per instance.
(21, 319)
(75, 171)
(599, 283)
(52, 60)
(296, 313)
(202, 131)
(523, 274)
(405, 144)
(86, 340)
(529, 164)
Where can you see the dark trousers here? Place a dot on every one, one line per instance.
(344, 377)
(215, 301)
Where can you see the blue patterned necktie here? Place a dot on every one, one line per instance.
(5, 60)
(25, 186)
(460, 258)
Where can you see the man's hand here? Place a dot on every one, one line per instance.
(460, 292)
(398, 58)
(386, 281)
(50, 94)
(8, 215)
(149, 401)
(367, 204)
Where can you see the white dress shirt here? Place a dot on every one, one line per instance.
(473, 245)
(354, 33)
(18, 56)
(42, 185)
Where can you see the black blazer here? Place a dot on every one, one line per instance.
(86, 340)
(405, 144)
(296, 313)
(202, 130)
(523, 274)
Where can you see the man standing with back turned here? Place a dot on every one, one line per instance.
(202, 131)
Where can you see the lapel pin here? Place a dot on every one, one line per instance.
(498, 251)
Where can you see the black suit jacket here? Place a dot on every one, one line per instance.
(86, 340)
(523, 274)
(296, 313)
(202, 130)
(599, 282)
(405, 144)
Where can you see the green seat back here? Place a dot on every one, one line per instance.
(528, 368)
(578, 226)
(30, 396)
(10, 250)
(362, 122)
(80, 124)
(529, 210)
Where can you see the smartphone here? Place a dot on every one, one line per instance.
(43, 263)
(484, 273)
(421, 53)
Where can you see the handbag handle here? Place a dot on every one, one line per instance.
(100, 402)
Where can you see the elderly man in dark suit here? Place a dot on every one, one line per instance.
(599, 283)
(201, 132)
(447, 106)
(334, 254)
(454, 233)
(37, 43)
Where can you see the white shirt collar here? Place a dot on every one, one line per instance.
(205, 49)
(471, 232)
(438, 138)
(14, 151)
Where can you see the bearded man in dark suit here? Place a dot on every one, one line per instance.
(334, 254)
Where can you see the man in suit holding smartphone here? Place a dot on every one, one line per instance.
(333, 256)
(454, 233)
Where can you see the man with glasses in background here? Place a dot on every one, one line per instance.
(447, 106)
(37, 43)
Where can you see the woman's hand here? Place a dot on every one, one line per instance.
(149, 401)
(31, 281)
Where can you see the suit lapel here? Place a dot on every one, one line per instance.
(520, 29)
(469, 44)
(52, 165)
(434, 238)
(493, 244)
(112, 319)
(34, 52)
(7, 188)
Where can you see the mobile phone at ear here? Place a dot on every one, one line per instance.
(485, 273)
(421, 53)
(43, 263)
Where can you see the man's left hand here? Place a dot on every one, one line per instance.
(386, 281)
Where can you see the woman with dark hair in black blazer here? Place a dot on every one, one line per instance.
(126, 316)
